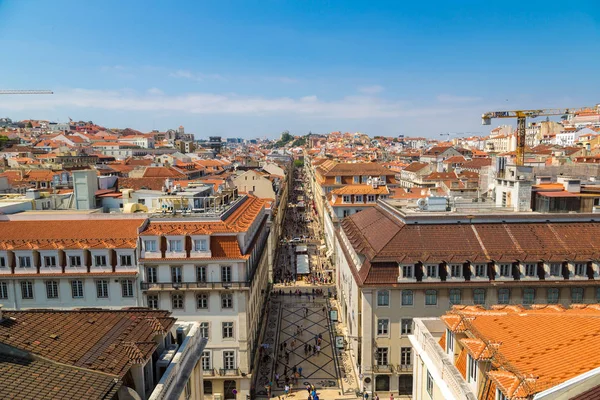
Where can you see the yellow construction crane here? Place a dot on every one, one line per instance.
(522, 115)
(26, 92)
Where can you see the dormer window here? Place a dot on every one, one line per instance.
(346, 199)
(200, 245)
(449, 342)
(24, 262)
(531, 270)
(75, 261)
(505, 270)
(358, 198)
(2, 262)
(49, 261)
(480, 270)
(432, 271)
(408, 271)
(357, 179)
(150, 245)
(472, 367)
(456, 270)
(338, 180)
(371, 198)
(100, 261)
(175, 246)
(580, 269)
(555, 269)
(126, 260)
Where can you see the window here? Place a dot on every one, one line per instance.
(357, 179)
(3, 290)
(346, 213)
(51, 289)
(383, 298)
(432, 271)
(2, 262)
(500, 395)
(49, 261)
(528, 296)
(208, 389)
(176, 275)
(405, 384)
(24, 262)
(151, 275)
(229, 360)
(226, 273)
(383, 326)
(338, 180)
(456, 270)
(200, 274)
(150, 245)
(126, 261)
(100, 261)
(598, 294)
(454, 296)
(77, 289)
(580, 269)
(480, 270)
(200, 245)
(382, 383)
(555, 269)
(75, 261)
(531, 270)
(407, 298)
(431, 297)
(479, 296)
(503, 296)
(405, 356)
(204, 329)
(429, 384)
(358, 198)
(175, 245)
(506, 270)
(27, 290)
(407, 271)
(153, 301)
(202, 301)
(406, 326)
(127, 288)
(226, 300)
(206, 360)
(188, 390)
(449, 342)
(346, 199)
(227, 330)
(553, 295)
(370, 198)
(102, 289)
(381, 356)
(472, 366)
(577, 295)
(177, 301)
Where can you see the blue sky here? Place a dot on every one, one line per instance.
(255, 68)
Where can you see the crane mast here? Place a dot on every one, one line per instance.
(522, 115)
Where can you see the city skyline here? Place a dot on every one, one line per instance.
(254, 69)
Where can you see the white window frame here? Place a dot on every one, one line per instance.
(410, 294)
(206, 360)
(501, 292)
(200, 245)
(3, 262)
(229, 359)
(205, 329)
(449, 342)
(202, 301)
(382, 356)
(27, 290)
(226, 273)
(432, 271)
(49, 261)
(428, 294)
(24, 261)
(383, 327)
(200, 273)
(152, 274)
(227, 330)
(358, 198)
(552, 267)
(405, 356)
(75, 261)
(408, 271)
(478, 291)
(3, 290)
(452, 293)
(471, 369)
(176, 274)
(175, 245)
(456, 270)
(51, 290)
(226, 301)
(347, 199)
(150, 245)
(103, 260)
(153, 301)
(178, 301)
(526, 292)
(127, 288)
(128, 260)
(77, 289)
(383, 295)
(429, 384)
(406, 326)
(102, 288)
(580, 269)
(500, 395)
(530, 270)
(550, 299)
(577, 290)
(505, 270)
(480, 271)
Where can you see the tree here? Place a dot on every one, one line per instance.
(29, 124)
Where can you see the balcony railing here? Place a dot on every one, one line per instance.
(229, 372)
(383, 368)
(209, 372)
(193, 285)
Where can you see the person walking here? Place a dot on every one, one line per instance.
(286, 389)
(375, 397)
(391, 396)
(300, 371)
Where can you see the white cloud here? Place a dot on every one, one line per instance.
(155, 101)
(155, 91)
(373, 89)
(195, 76)
(447, 98)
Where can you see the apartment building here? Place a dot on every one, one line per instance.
(508, 352)
(212, 270)
(99, 354)
(69, 263)
(395, 265)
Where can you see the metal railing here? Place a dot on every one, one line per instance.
(229, 372)
(193, 285)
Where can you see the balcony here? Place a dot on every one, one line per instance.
(209, 372)
(193, 285)
(384, 368)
